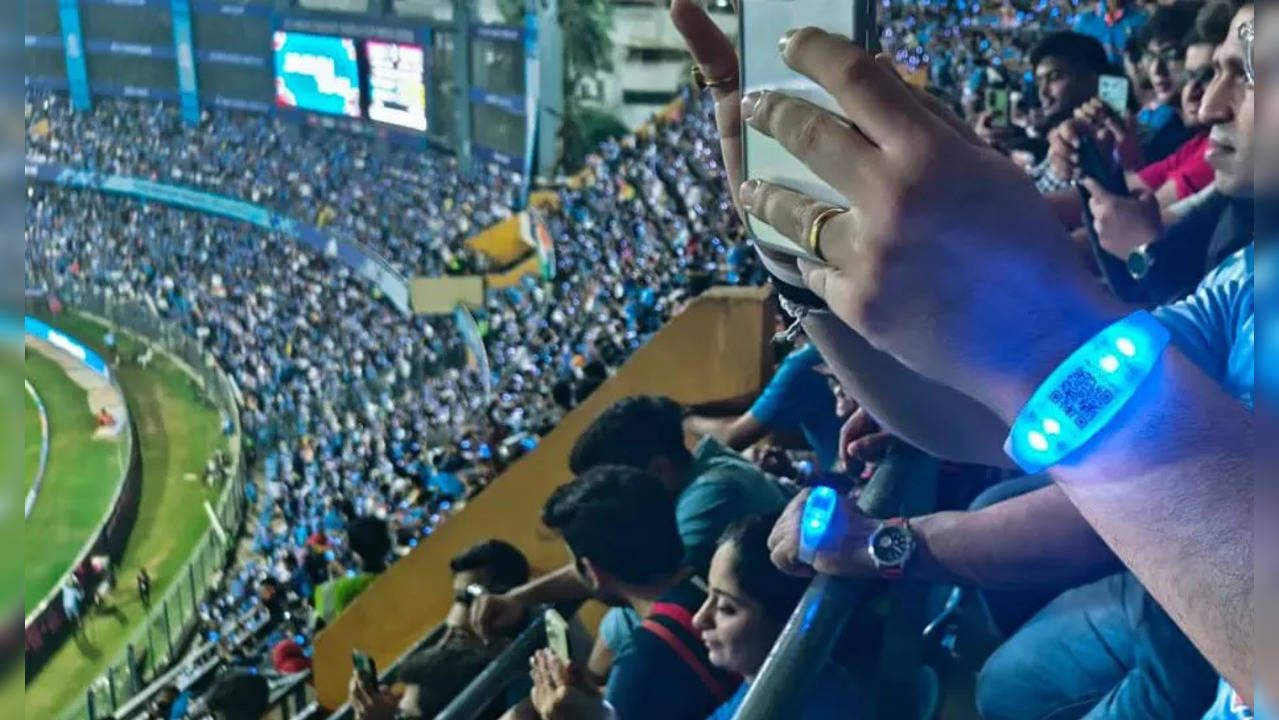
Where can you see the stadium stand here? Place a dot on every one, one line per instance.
(354, 411)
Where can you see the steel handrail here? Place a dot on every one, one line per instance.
(802, 649)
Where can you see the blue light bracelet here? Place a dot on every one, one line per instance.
(1085, 392)
(819, 509)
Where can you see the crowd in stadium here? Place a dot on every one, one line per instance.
(413, 208)
(361, 421)
(352, 410)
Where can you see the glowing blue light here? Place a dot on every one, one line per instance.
(1085, 392)
(819, 510)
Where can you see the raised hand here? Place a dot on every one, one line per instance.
(947, 258)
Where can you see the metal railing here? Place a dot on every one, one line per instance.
(801, 650)
(156, 644)
(196, 670)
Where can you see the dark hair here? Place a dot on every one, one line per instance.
(621, 518)
(239, 695)
(443, 671)
(1171, 24)
(505, 564)
(757, 576)
(1213, 22)
(632, 432)
(371, 540)
(1081, 51)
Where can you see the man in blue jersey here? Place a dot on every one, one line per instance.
(798, 397)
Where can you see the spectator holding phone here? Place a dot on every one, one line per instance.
(619, 525)
(1067, 69)
(1184, 172)
(710, 487)
(430, 679)
(1170, 248)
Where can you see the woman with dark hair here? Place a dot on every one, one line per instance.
(747, 606)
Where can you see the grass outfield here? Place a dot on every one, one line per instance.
(80, 479)
(178, 433)
(34, 436)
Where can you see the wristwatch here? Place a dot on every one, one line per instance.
(1139, 262)
(468, 594)
(891, 546)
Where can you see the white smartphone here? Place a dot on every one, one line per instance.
(1113, 91)
(557, 634)
(763, 22)
(998, 105)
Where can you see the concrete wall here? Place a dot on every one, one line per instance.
(714, 349)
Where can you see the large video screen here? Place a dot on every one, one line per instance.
(317, 72)
(397, 87)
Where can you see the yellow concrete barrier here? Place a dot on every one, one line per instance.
(530, 265)
(501, 242)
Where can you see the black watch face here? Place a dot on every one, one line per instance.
(892, 545)
(1138, 264)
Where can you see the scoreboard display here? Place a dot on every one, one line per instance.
(397, 84)
(319, 73)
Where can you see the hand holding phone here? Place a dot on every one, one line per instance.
(762, 23)
(998, 107)
(557, 635)
(1113, 90)
(1095, 165)
(1108, 175)
(365, 668)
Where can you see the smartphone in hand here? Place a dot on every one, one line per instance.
(762, 24)
(1113, 91)
(365, 668)
(997, 104)
(1094, 164)
(557, 635)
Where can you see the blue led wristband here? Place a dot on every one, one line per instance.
(1085, 392)
(819, 509)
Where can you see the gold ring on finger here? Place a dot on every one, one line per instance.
(702, 82)
(815, 229)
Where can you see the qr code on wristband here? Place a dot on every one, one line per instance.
(1081, 398)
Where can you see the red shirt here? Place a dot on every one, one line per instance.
(1186, 167)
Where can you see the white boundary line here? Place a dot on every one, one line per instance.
(44, 449)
